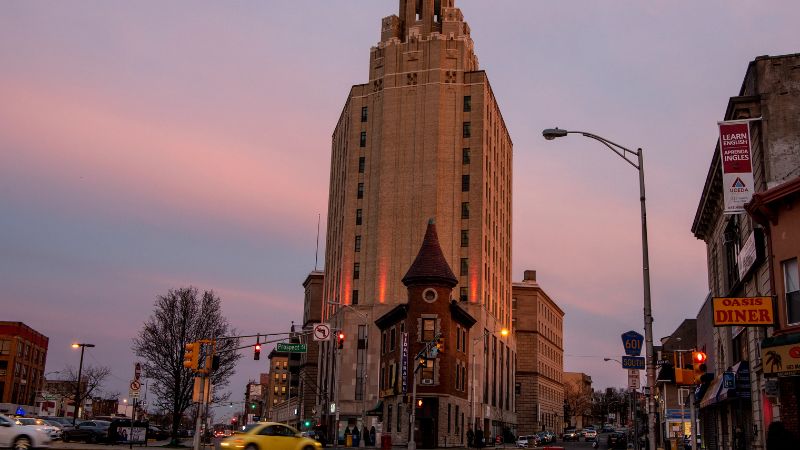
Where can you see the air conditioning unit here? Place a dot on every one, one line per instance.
(427, 381)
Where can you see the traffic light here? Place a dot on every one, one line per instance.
(257, 352)
(699, 366)
(440, 345)
(340, 340)
(252, 406)
(192, 355)
(307, 423)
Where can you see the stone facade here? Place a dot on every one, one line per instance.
(770, 97)
(423, 138)
(538, 324)
(578, 399)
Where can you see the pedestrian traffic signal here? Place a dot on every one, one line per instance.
(191, 356)
(257, 352)
(340, 340)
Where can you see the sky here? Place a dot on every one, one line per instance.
(153, 145)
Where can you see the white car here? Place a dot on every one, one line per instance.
(39, 424)
(19, 437)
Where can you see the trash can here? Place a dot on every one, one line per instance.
(386, 442)
(348, 440)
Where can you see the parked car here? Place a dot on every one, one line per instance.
(20, 437)
(271, 435)
(571, 434)
(524, 442)
(65, 422)
(589, 435)
(617, 440)
(546, 437)
(88, 431)
(41, 425)
(607, 428)
(157, 433)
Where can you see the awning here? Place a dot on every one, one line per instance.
(377, 410)
(741, 371)
(711, 394)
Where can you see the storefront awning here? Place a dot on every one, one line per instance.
(377, 410)
(741, 372)
(711, 394)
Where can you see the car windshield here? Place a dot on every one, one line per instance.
(247, 428)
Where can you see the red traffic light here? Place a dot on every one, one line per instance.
(699, 357)
(341, 336)
(257, 352)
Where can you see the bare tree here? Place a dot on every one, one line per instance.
(181, 317)
(92, 380)
(577, 401)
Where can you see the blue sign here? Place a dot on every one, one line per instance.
(632, 342)
(729, 380)
(20, 411)
(633, 362)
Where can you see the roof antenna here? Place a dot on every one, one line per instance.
(316, 252)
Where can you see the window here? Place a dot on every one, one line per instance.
(465, 238)
(358, 243)
(462, 295)
(389, 418)
(364, 112)
(428, 329)
(791, 283)
(383, 343)
(361, 362)
(464, 266)
(356, 271)
(466, 130)
(427, 369)
(358, 217)
(467, 103)
(464, 183)
(360, 193)
(465, 156)
(355, 297)
(458, 343)
(5, 347)
(277, 376)
(362, 141)
(362, 162)
(465, 210)
(449, 416)
(283, 376)
(392, 339)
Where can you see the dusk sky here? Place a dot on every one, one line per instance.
(153, 145)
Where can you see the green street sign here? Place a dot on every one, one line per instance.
(291, 348)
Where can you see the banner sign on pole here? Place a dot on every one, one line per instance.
(737, 167)
(404, 363)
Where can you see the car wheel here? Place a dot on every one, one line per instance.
(91, 439)
(22, 443)
(251, 447)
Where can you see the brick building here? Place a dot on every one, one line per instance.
(577, 399)
(278, 386)
(23, 352)
(741, 264)
(442, 389)
(424, 137)
(538, 325)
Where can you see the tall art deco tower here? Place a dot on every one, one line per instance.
(423, 138)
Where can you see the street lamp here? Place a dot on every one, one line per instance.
(78, 387)
(364, 389)
(623, 153)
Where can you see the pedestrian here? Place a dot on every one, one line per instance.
(372, 433)
(470, 436)
(779, 438)
(478, 437)
(738, 439)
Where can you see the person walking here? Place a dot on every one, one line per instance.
(470, 436)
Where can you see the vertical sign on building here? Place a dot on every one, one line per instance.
(737, 167)
(404, 363)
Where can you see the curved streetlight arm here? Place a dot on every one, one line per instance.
(613, 146)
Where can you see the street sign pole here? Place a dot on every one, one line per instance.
(199, 421)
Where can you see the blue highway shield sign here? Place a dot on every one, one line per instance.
(632, 343)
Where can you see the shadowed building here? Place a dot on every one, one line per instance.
(538, 325)
(23, 352)
(423, 137)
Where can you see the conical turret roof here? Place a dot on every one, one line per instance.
(430, 266)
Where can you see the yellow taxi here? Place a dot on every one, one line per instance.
(270, 436)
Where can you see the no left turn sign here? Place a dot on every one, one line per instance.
(322, 332)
